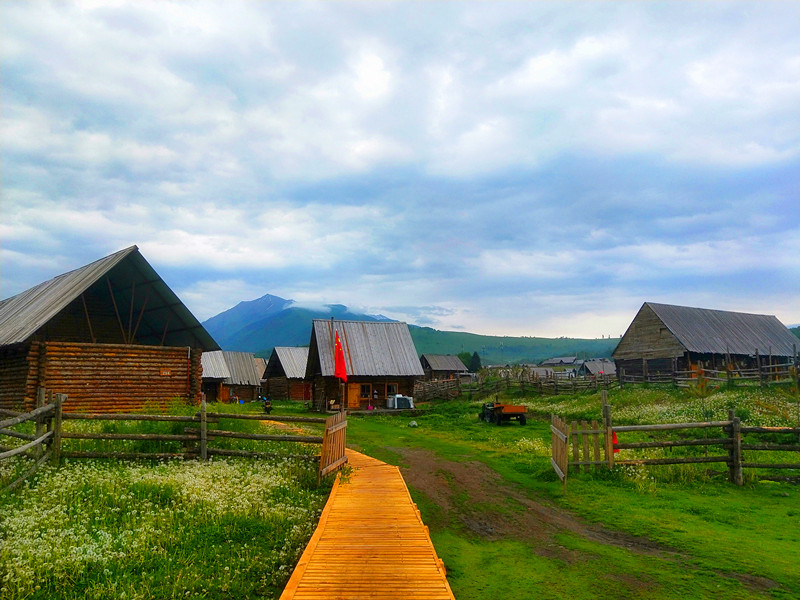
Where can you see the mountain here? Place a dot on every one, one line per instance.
(795, 330)
(259, 325)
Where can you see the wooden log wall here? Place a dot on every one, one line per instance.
(277, 388)
(112, 377)
(13, 376)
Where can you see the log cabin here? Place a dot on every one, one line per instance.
(285, 374)
(230, 376)
(380, 358)
(111, 335)
(442, 366)
(663, 338)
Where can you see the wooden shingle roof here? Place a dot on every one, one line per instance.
(166, 320)
(371, 348)
(288, 362)
(445, 362)
(707, 331)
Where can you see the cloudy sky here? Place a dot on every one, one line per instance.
(522, 168)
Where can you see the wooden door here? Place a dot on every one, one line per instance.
(354, 396)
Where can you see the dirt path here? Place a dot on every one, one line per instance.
(474, 495)
(480, 500)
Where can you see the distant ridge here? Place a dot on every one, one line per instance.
(259, 325)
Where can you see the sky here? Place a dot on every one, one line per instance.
(523, 168)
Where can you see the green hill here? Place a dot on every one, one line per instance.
(495, 350)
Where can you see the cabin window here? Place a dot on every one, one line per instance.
(391, 389)
(366, 390)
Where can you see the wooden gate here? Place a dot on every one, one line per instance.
(560, 458)
(334, 444)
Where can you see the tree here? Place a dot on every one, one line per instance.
(474, 363)
(465, 357)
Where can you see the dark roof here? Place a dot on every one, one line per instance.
(287, 361)
(371, 348)
(236, 368)
(707, 331)
(560, 360)
(444, 362)
(605, 366)
(137, 283)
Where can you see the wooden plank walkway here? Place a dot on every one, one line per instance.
(370, 543)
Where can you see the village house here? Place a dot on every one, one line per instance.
(442, 366)
(111, 335)
(230, 376)
(663, 338)
(285, 374)
(380, 358)
(559, 361)
(597, 367)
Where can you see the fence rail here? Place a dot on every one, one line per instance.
(543, 386)
(586, 444)
(765, 375)
(44, 443)
(196, 439)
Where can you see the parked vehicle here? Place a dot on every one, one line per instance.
(496, 412)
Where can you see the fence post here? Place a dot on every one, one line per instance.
(203, 430)
(621, 377)
(40, 421)
(735, 452)
(609, 441)
(57, 422)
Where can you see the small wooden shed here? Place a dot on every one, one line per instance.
(597, 367)
(442, 366)
(664, 337)
(380, 358)
(230, 376)
(111, 335)
(285, 374)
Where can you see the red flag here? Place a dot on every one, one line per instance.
(339, 368)
(614, 441)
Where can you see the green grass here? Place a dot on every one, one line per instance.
(722, 541)
(227, 528)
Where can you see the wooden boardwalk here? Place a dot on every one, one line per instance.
(370, 543)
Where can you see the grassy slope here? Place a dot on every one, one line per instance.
(730, 542)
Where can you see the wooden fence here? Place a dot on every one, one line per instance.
(594, 445)
(445, 389)
(543, 386)
(764, 375)
(42, 445)
(195, 439)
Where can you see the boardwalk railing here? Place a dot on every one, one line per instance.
(42, 445)
(588, 451)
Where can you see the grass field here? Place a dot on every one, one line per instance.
(498, 516)
(227, 528)
(505, 528)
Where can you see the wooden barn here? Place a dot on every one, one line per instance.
(111, 335)
(285, 375)
(230, 376)
(559, 361)
(597, 367)
(442, 366)
(663, 337)
(380, 357)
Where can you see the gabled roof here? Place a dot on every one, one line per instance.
(560, 360)
(287, 361)
(604, 366)
(707, 331)
(214, 366)
(235, 368)
(261, 365)
(137, 283)
(444, 362)
(371, 348)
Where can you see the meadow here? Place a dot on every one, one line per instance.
(499, 517)
(225, 528)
